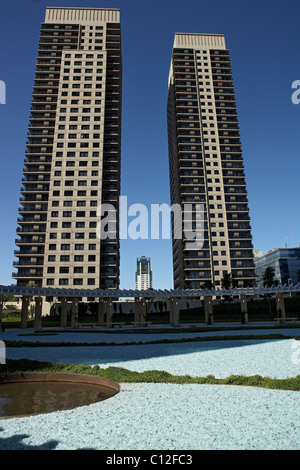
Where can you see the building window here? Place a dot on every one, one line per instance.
(79, 246)
(78, 270)
(64, 270)
(65, 246)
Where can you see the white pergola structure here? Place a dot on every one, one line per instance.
(140, 296)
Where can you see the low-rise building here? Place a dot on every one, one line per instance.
(285, 261)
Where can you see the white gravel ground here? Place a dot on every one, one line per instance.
(170, 417)
(166, 417)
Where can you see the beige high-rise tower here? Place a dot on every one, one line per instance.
(206, 163)
(72, 162)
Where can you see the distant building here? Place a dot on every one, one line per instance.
(143, 275)
(285, 261)
(258, 254)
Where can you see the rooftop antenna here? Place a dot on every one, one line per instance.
(288, 238)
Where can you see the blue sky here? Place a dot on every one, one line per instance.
(263, 37)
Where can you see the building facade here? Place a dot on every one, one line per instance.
(286, 264)
(73, 153)
(206, 164)
(143, 275)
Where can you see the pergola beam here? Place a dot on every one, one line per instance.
(150, 293)
(109, 295)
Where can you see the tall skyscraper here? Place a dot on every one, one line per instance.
(73, 153)
(143, 275)
(206, 163)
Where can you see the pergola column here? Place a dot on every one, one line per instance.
(1, 309)
(280, 307)
(174, 312)
(244, 308)
(74, 313)
(64, 313)
(101, 312)
(208, 310)
(109, 313)
(140, 311)
(137, 311)
(38, 313)
(143, 311)
(24, 311)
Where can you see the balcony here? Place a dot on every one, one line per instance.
(40, 133)
(234, 182)
(241, 245)
(238, 226)
(30, 230)
(34, 251)
(235, 190)
(245, 273)
(35, 170)
(191, 182)
(237, 208)
(236, 218)
(197, 265)
(229, 173)
(34, 208)
(33, 219)
(237, 236)
(38, 151)
(22, 262)
(44, 116)
(247, 254)
(33, 240)
(28, 276)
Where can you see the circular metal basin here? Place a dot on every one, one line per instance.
(36, 393)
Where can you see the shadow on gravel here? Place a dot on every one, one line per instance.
(87, 354)
(15, 443)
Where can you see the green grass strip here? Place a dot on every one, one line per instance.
(119, 374)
